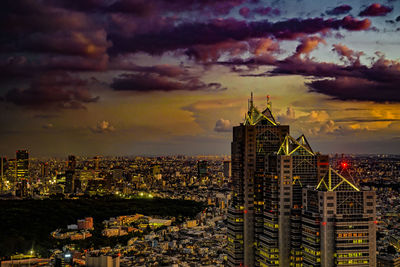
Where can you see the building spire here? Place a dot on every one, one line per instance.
(269, 104)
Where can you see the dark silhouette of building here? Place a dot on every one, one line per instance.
(71, 163)
(202, 169)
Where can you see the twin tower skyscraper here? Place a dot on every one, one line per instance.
(289, 206)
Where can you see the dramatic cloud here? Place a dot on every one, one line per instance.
(308, 44)
(346, 53)
(376, 10)
(52, 91)
(162, 70)
(222, 30)
(150, 82)
(103, 127)
(223, 126)
(343, 9)
(352, 81)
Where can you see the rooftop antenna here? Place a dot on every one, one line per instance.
(269, 104)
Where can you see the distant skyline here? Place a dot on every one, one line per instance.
(136, 77)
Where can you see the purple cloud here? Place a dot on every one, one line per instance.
(339, 10)
(375, 10)
(55, 90)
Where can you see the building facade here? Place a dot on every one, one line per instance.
(267, 218)
(339, 223)
(22, 165)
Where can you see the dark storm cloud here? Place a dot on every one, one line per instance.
(162, 70)
(147, 8)
(38, 37)
(379, 82)
(219, 30)
(147, 82)
(351, 81)
(53, 91)
(343, 9)
(375, 10)
(350, 88)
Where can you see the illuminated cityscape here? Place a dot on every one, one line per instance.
(244, 133)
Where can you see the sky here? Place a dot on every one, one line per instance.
(166, 77)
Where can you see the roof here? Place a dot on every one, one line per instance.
(254, 116)
(299, 146)
(334, 181)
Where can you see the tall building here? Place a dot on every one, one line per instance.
(254, 140)
(22, 165)
(293, 167)
(227, 169)
(202, 169)
(270, 171)
(71, 163)
(3, 167)
(339, 223)
(69, 181)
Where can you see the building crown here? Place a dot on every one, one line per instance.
(254, 116)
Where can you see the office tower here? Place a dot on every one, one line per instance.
(293, 167)
(254, 140)
(11, 172)
(69, 181)
(22, 165)
(3, 167)
(270, 170)
(339, 223)
(227, 168)
(96, 161)
(71, 163)
(202, 169)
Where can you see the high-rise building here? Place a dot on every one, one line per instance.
(339, 223)
(69, 181)
(3, 167)
(254, 140)
(71, 163)
(293, 167)
(270, 171)
(202, 169)
(227, 169)
(22, 165)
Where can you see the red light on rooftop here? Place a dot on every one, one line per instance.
(344, 165)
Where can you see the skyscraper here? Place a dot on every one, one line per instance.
(270, 171)
(227, 168)
(22, 165)
(254, 140)
(71, 163)
(202, 168)
(339, 223)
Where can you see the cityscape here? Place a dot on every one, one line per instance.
(246, 133)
